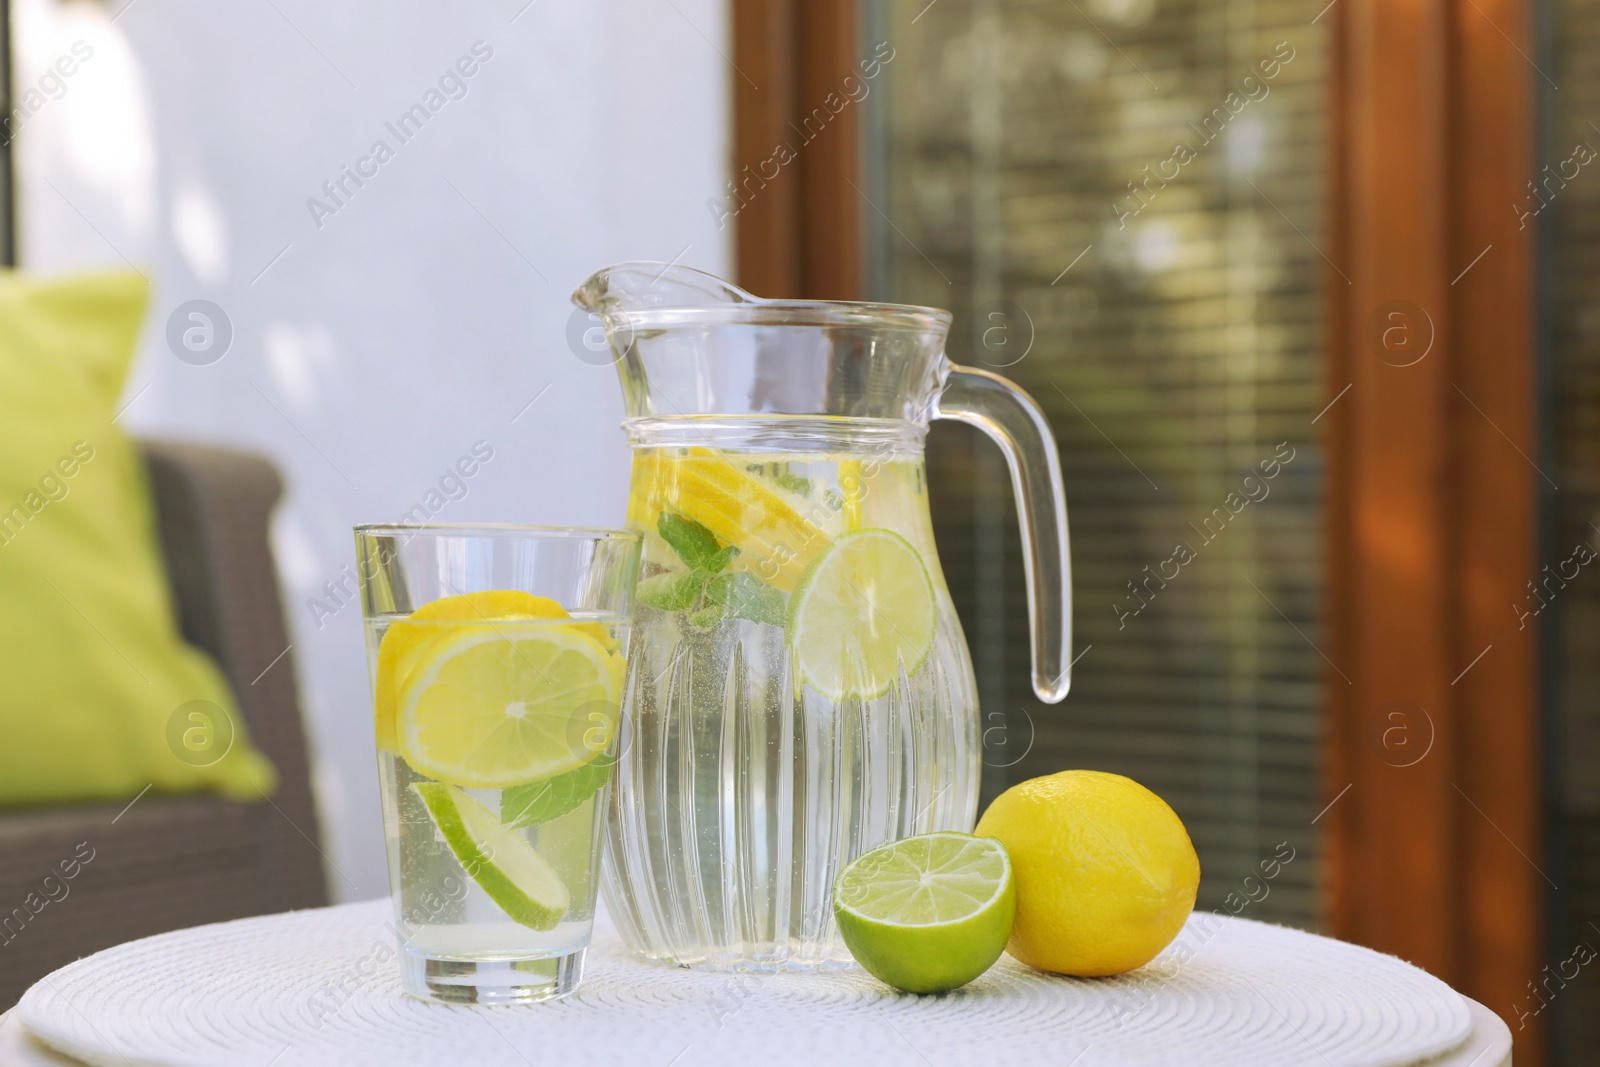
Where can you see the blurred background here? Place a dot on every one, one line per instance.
(374, 347)
(1306, 289)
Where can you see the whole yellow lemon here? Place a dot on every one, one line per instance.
(1106, 873)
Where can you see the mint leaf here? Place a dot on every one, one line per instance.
(704, 590)
(745, 596)
(672, 591)
(551, 798)
(707, 617)
(719, 561)
(694, 544)
(794, 483)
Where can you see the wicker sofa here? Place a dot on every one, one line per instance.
(168, 862)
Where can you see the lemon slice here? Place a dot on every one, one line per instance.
(774, 539)
(498, 858)
(927, 913)
(863, 612)
(403, 642)
(503, 703)
(853, 488)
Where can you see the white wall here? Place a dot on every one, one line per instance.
(419, 318)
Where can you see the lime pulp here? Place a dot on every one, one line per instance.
(498, 858)
(863, 614)
(928, 913)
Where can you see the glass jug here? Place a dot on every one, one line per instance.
(799, 690)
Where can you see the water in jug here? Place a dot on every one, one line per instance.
(799, 690)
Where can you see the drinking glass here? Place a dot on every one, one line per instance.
(497, 656)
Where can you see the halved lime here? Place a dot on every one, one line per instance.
(863, 612)
(498, 858)
(502, 703)
(928, 913)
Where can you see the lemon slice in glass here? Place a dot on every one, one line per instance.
(405, 639)
(863, 612)
(498, 858)
(928, 913)
(502, 703)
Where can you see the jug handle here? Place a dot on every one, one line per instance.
(1014, 421)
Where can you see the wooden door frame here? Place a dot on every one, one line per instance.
(1432, 497)
(1434, 826)
(794, 198)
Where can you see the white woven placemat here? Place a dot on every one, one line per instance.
(322, 987)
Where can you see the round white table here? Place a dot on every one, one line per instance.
(321, 987)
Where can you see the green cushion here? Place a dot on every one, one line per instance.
(95, 670)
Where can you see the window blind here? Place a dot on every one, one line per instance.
(1120, 201)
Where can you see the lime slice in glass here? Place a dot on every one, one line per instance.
(863, 612)
(498, 858)
(928, 913)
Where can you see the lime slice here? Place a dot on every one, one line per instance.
(503, 703)
(863, 612)
(498, 858)
(928, 913)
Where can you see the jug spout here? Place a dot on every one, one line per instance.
(633, 286)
